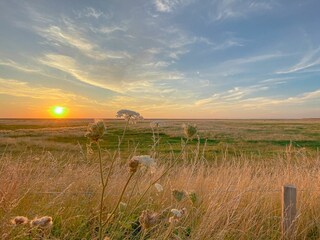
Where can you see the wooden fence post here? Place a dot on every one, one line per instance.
(289, 209)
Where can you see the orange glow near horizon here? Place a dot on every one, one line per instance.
(58, 111)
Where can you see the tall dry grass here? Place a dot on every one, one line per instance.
(236, 198)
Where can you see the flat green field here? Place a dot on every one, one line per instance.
(250, 137)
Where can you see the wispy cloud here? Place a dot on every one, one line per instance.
(71, 66)
(91, 12)
(228, 9)
(18, 66)
(71, 35)
(309, 60)
(231, 96)
(239, 99)
(255, 103)
(169, 5)
(24, 89)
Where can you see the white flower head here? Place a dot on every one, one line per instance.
(177, 213)
(145, 160)
(158, 187)
(129, 115)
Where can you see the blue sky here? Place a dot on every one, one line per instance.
(176, 59)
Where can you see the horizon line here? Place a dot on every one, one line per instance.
(90, 118)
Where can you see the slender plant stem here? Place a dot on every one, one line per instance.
(169, 231)
(119, 200)
(104, 183)
(102, 192)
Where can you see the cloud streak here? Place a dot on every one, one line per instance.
(309, 60)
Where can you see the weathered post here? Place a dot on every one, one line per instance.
(289, 210)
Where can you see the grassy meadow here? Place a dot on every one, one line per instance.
(227, 179)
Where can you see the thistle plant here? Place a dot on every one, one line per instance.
(174, 219)
(95, 132)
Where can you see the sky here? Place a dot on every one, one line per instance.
(161, 58)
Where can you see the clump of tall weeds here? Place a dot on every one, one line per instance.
(95, 133)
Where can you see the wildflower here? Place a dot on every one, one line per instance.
(158, 187)
(129, 115)
(190, 130)
(146, 160)
(177, 214)
(178, 195)
(19, 220)
(42, 222)
(95, 130)
(148, 219)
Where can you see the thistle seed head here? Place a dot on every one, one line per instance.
(19, 220)
(43, 222)
(133, 165)
(96, 130)
(148, 219)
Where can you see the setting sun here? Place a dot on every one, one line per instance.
(58, 111)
